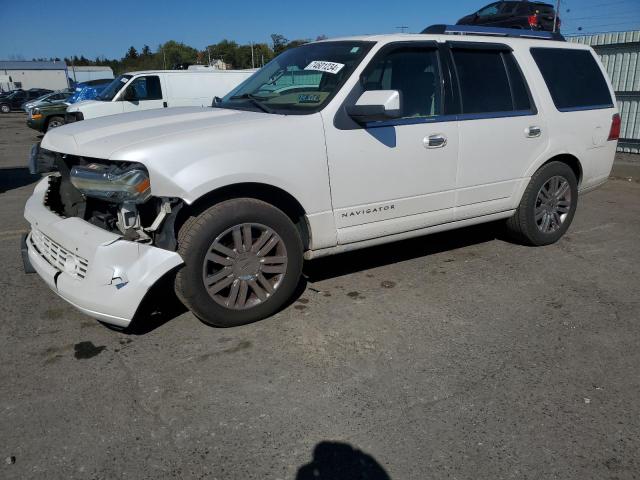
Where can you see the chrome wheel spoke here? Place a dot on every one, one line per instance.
(242, 294)
(562, 190)
(238, 245)
(245, 266)
(260, 293)
(225, 272)
(269, 246)
(233, 293)
(215, 258)
(539, 213)
(553, 204)
(218, 247)
(216, 287)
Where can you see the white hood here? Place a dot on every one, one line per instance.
(109, 137)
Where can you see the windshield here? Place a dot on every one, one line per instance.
(299, 81)
(113, 88)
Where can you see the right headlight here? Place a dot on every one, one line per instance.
(112, 182)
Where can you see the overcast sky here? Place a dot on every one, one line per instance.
(40, 28)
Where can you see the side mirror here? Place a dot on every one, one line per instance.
(376, 106)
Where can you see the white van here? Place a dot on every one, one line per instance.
(148, 90)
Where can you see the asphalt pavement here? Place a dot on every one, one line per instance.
(459, 355)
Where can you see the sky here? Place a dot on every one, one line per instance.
(41, 28)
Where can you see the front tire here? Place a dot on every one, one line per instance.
(55, 122)
(547, 207)
(5, 108)
(242, 262)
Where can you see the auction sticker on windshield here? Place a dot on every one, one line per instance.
(329, 67)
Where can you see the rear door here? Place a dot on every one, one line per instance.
(148, 94)
(501, 131)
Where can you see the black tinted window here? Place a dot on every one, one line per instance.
(484, 85)
(573, 78)
(519, 90)
(414, 73)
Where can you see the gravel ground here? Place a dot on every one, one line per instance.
(459, 355)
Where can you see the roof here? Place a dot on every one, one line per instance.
(90, 68)
(28, 65)
(399, 37)
(611, 38)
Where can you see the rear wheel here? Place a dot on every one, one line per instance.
(4, 108)
(55, 122)
(547, 207)
(243, 260)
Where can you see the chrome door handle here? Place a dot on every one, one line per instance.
(533, 131)
(435, 141)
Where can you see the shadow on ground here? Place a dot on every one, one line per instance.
(368, 258)
(341, 461)
(161, 305)
(12, 178)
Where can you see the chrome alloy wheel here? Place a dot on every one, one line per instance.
(553, 204)
(244, 266)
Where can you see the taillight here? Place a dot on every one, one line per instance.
(616, 124)
(533, 20)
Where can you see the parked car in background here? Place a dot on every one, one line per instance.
(60, 95)
(45, 116)
(9, 92)
(15, 100)
(159, 89)
(396, 136)
(510, 14)
(88, 90)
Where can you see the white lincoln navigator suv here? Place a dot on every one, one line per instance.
(332, 146)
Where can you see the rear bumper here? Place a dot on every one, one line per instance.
(96, 271)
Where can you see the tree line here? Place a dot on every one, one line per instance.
(172, 54)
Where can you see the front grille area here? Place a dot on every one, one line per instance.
(59, 257)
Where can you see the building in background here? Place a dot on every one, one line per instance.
(26, 75)
(620, 53)
(79, 74)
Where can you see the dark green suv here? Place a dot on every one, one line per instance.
(45, 117)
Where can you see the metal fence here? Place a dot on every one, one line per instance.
(620, 53)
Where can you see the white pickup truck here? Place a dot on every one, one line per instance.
(333, 146)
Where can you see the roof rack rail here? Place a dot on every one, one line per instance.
(492, 31)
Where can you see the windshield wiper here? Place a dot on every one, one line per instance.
(255, 100)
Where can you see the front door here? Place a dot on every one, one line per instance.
(148, 94)
(395, 176)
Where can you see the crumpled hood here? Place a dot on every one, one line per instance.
(111, 136)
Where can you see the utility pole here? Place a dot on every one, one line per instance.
(164, 60)
(209, 53)
(253, 62)
(402, 29)
(555, 17)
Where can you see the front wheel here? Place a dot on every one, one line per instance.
(547, 207)
(242, 262)
(55, 122)
(5, 108)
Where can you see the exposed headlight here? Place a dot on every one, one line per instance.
(112, 182)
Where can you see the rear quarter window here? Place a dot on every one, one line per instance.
(574, 79)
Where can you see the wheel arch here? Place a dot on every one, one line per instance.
(570, 160)
(270, 194)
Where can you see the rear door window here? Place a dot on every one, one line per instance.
(573, 78)
(490, 81)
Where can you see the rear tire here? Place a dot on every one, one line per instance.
(547, 207)
(242, 262)
(55, 122)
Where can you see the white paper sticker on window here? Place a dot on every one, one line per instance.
(329, 67)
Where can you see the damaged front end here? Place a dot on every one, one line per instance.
(115, 196)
